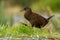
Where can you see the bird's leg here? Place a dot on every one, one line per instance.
(32, 23)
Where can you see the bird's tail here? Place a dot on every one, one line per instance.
(50, 17)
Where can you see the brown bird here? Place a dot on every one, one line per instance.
(35, 19)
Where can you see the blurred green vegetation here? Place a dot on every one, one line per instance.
(37, 4)
(56, 23)
(42, 4)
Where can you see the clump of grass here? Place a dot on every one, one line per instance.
(22, 31)
(2, 31)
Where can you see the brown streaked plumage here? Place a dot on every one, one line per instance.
(35, 19)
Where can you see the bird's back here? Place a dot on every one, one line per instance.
(37, 17)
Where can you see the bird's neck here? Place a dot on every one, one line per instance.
(28, 14)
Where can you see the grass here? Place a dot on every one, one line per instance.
(22, 31)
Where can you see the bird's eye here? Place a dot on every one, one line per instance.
(24, 8)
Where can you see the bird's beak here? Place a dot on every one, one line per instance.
(21, 10)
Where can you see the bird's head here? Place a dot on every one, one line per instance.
(26, 9)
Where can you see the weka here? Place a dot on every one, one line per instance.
(35, 19)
